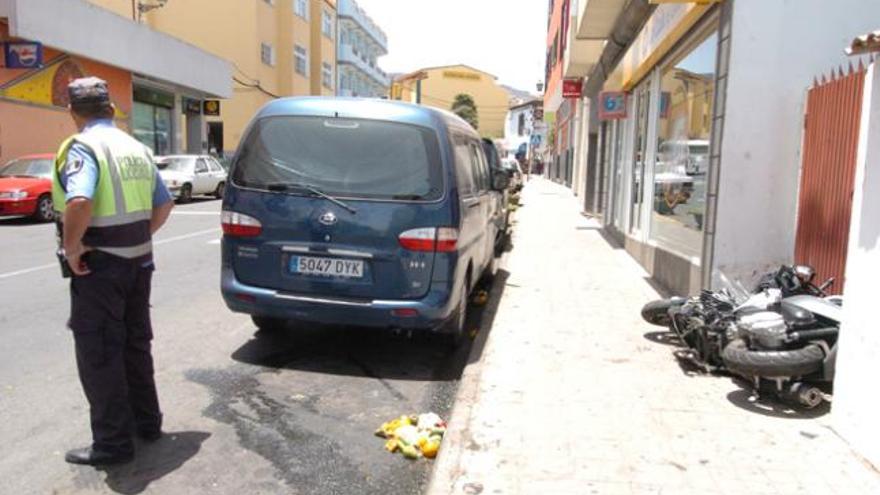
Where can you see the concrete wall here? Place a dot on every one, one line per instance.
(777, 49)
(855, 399)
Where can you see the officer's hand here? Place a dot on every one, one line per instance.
(74, 258)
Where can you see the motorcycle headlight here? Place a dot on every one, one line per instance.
(13, 194)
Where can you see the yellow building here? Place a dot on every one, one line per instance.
(438, 86)
(277, 48)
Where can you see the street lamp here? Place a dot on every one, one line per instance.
(143, 6)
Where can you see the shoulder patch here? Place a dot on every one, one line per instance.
(74, 166)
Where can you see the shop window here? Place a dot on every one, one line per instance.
(640, 152)
(151, 125)
(687, 89)
(301, 60)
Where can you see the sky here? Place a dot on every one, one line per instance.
(506, 38)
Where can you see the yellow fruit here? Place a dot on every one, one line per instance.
(391, 445)
(430, 449)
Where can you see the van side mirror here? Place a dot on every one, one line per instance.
(500, 181)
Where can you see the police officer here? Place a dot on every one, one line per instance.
(110, 201)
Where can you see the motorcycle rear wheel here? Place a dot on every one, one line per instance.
(738, 358)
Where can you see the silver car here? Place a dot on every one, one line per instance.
(190, 175)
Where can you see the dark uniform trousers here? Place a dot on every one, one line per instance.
(110, 320)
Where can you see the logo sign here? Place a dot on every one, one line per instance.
(571, 88)
(23, 54)
(458, 74)
(211, 108)
(328, 218)
(612, 105)
(192, 106)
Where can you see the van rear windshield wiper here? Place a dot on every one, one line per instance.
(287, 186)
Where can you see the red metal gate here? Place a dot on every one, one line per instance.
(831, 135)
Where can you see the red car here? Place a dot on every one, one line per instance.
(26, 187)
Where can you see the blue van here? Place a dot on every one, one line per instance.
(359, 212)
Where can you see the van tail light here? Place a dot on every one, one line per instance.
(430, 239)
(240, 225)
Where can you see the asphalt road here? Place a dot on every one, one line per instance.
(244, 412)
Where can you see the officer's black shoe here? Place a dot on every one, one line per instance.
(150, 436)
(88, 455)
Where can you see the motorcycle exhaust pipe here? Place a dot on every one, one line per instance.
(807, 396)
(818, 333)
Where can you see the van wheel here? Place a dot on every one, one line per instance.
(454, 330)
(269, 325)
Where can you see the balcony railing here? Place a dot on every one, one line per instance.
(348, 8)
(348, 54)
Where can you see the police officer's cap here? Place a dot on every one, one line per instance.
(88, 91)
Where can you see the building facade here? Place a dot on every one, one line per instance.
(525, 133)
(277, 48)
(360, 44)
(438, 87)
(150, 88)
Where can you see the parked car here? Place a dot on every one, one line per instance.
(358, 212)
(26, 187)
(514, 171)
(190, 175)
(503, 207)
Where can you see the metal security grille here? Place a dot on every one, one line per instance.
(831, 134)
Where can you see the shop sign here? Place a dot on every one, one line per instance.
(191, 106)
(23, 54)
(668, 24)
(211, 108)
(571, 88)
(153, 97)
(612, 105)
(457, 74)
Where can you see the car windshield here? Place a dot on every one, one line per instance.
(28, 167)
(176, 163)
(342, 157)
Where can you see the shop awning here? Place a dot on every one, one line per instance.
(80, 28)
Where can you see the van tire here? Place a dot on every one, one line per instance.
(454, 330)
(269, 325)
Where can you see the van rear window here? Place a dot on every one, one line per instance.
(349, 158)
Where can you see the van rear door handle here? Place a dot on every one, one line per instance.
(474, 204)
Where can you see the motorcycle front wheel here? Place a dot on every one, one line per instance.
(658, 312)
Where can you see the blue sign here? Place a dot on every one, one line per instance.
(23, 54)
(536, 140)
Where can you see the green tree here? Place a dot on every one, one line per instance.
(464, 107)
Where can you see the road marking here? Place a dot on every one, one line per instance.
(156, 243)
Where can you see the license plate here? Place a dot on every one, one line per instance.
(333, 267)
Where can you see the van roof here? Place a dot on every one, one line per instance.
(365, 108)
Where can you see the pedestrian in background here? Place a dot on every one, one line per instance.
(110, 201)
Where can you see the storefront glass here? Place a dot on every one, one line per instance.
(151, 119)
(682, 158)
(640, 148)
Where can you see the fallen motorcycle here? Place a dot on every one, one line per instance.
(782, 336)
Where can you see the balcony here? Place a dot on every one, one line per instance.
(347, 54)
(349, 9)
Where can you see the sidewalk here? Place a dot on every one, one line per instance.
(569, 396)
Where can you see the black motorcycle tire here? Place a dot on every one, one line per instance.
(738, 358)
(657, 312)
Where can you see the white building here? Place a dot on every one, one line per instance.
(524, 129)
(360, 44)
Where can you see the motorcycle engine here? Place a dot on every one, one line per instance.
(766, 329)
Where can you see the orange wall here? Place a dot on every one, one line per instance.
(27, 129)
(553, 80)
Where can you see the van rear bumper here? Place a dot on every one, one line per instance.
(433, 310)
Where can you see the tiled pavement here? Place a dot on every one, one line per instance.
(569, 394)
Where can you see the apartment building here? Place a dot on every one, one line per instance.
(276, 48)
(360, 43)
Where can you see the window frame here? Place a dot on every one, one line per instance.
(270, 49)
(327, 75)
(305, 9)
(326, 23)
(301, 53)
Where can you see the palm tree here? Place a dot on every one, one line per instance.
(464, 106)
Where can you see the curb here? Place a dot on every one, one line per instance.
(447, 468)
